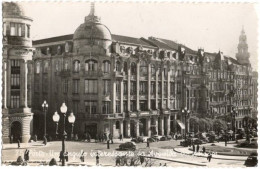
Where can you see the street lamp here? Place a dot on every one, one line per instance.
(233, 119)
(56, 118)
(71, 120)
(186, 114)
(45, 108)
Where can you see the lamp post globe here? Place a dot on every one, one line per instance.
(63, 108)
(71, 120)
(56, 119)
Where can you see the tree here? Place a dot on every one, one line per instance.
(194, 121)
(219, 125)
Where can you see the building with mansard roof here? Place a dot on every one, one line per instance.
(117, 84)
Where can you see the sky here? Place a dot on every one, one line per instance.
(212, 26)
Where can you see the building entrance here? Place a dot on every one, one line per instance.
(91, 129)
(16, 131)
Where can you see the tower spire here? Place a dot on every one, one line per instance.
(92, 9)
(92, 17)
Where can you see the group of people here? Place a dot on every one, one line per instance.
(100, 137)
(64, 155)
(203, 151)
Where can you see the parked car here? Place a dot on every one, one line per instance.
(251, 160)
(128, 146)
(138, 140)
(165, 138)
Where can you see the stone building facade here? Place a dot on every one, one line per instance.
(16, 74)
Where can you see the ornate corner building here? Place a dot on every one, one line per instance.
(16, 74)
(133, 86)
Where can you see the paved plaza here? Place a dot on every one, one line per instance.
(163, 153)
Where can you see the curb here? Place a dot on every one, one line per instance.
(212, 157)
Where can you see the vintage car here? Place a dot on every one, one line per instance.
(128, 146)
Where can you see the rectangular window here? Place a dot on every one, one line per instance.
(91, 107)
(65, 86)
(172, 89)
(28, 31)
(15, 100)
(75, 106)
(76, 86)
(165, 89)
(15, 81)
(125, 106)
(91, 86)
(12, 26)
(133, 105)
(143, 105)
(159, 104)
(159, 88)
(153, 88)
(172, 104)
(143, 88)
(118, 107)
(133, 88)
(125, 87)
(153, 104)
(106, 87)
(106, 108)
(118, 87)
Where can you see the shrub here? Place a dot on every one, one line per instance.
(53, 162)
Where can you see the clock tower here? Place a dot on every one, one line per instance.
(243, 54)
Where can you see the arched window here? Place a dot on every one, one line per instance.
(91, 65)
(143, 68)
(38, 67)
(133, 68)
(153, 70)
(66, 65)
(45, 67)
(117, 66)
(125, 67)
(106, 66)
(76, 66)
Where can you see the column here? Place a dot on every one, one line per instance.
(156, 124)
(148, 126)
(156, 89)
(137, 85)
(137, 128)
(113, 128)
(162, 125)
(121, 96)
(188, 125)
(175, 122)
(162, 90)
(149, 88)
(113, 107)
(121, 127)
(169, 125)
(5, 85)
(128, 87)
(128, 133)
(168, 89)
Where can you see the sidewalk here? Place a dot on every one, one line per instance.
(185, 150)
(22, 145)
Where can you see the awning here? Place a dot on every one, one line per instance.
(181, 124)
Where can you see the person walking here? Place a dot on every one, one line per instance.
(198, 148)
(97, 159)
(147, 143)
(209, 156)
(61, 156)
(82, 156)
(66, 156)
(25, 155)
(18, 143)
(117, 161)
(108, 146)
(121, 137)
(141, 159)
(193, 148)
(203, 150)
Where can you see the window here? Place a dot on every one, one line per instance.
(143, 88)
(133, 68)
(76, 86)
(28, 31)
(165, 73)
(143, 105)
(125, 68)
(118, 66)
(159, 104)
(172, 89)
(118, 87)
(91, 86)
(91, 65)
(91, 107)
(133, 105)
(159, 88)
(118, 107)
(76, 66)
(15, 74)
(172, 105)
(106, 86)
(165, 89)
(65, 86)
(133, 88)
(75, 106)
(153, 88)
(125, 87)
(125, 106)
(106, 108)
(143, 68)
(15, 100)
(4, 29)
(106, 66)
(38, 67)
(153, 104)
(17, 29)
(66, 65)
(117, 125)
(153, 70)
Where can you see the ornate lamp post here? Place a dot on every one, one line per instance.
(71, 119)
(186, 113)
(45, 108)
(56, 118)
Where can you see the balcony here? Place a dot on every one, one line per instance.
(119, 74)
(154, 112)
(65, 73)
(112, 116)
(165, 111)
(144, 113)
(93, 73)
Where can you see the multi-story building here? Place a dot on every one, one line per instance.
(16, 74)
(134, 86)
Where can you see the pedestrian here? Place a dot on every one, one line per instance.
(61, 155)
(44, 140)
(125, 161)
(132, 162)
(82, 156)
(117, 161)
(27, 155)
(97, 159)
(198, 148)
(11, 139)
(24, 155)
(193, 148)
(66, 156)
(141, 159)
(209, 156)
(35, 138)
(203, 150)
(148, 143)
(18, 142)
(121, 137)
(105, 136)
(165, 165)
(108, 144)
